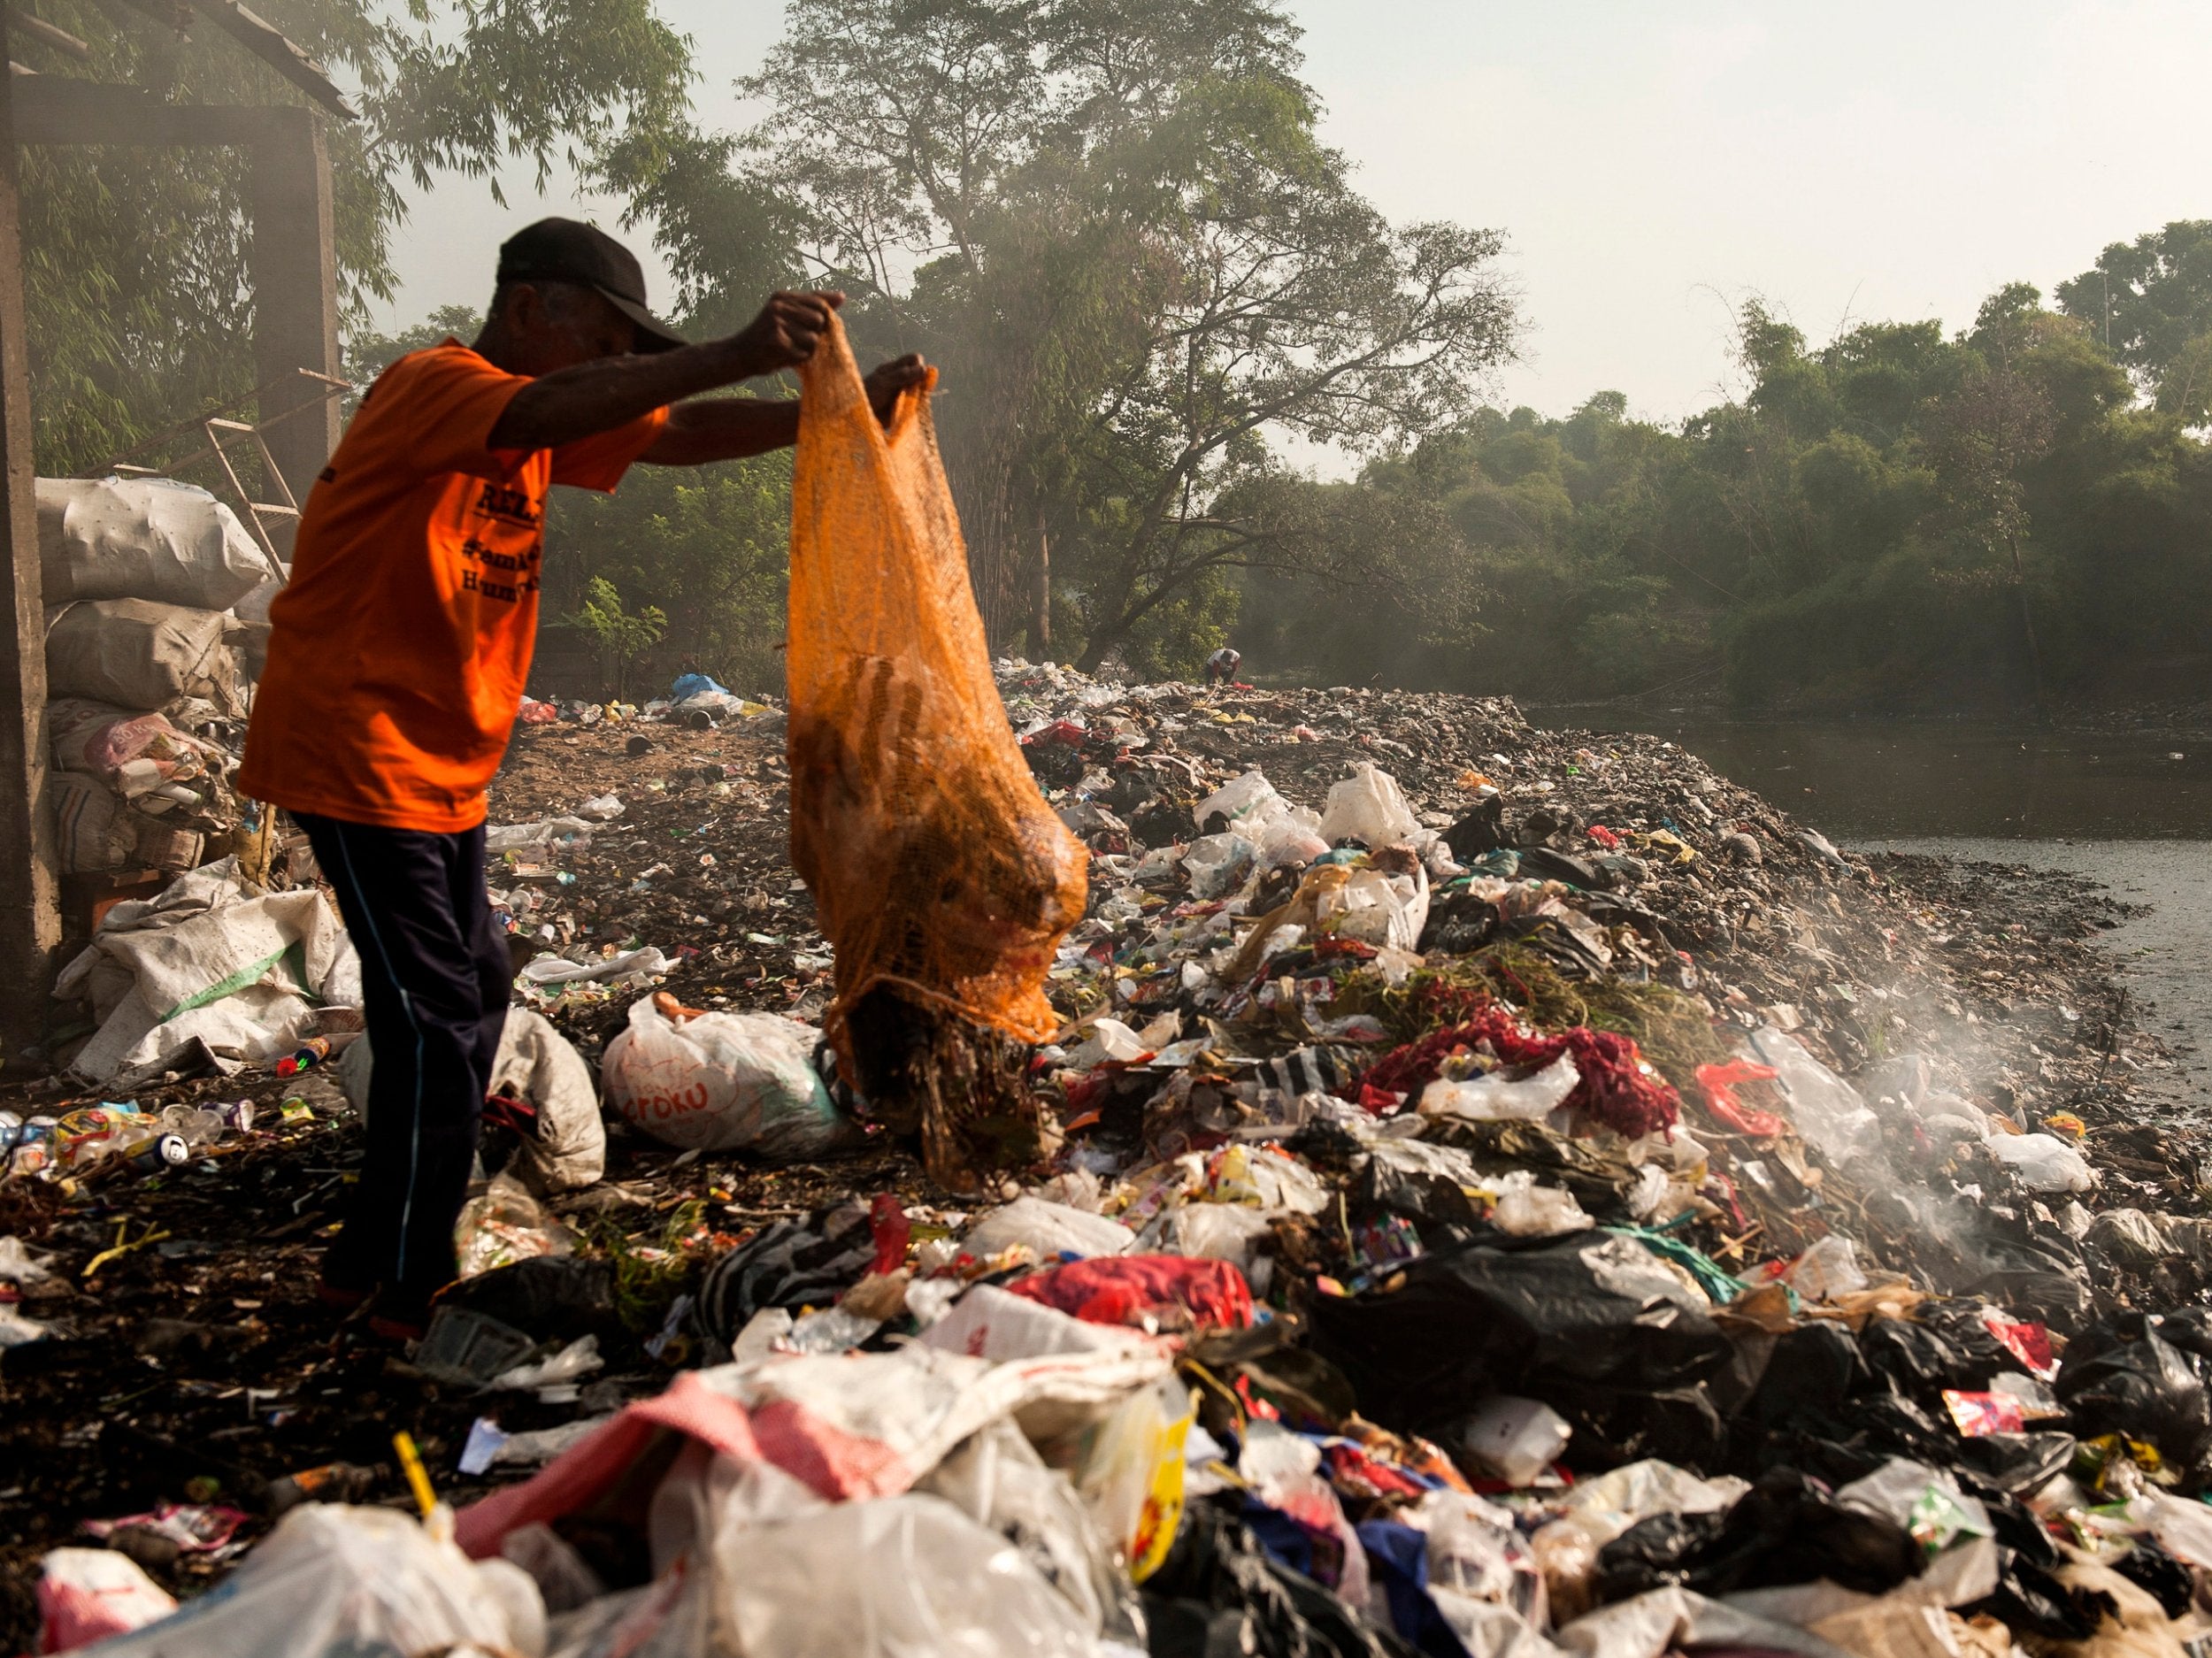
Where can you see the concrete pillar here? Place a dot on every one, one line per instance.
(294, 290)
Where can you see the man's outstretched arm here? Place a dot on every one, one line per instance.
(582, 402)
(730, 428)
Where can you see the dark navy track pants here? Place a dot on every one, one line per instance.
(436, 979)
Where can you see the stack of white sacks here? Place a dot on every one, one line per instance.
(157, 606)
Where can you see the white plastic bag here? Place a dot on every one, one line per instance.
(2044, 1163)
(1385, 910)
(1495, 1095)
(723, 1082)
(333, 1579)
(1829, 1269)
(1131, 1475)
(1279, 832)
(1369, 807)
(1482, 1574)
(1251, 793)
(1529, 1210)
(997, 1479)
(541, 1065)
(1515, 1438)
(1107, 1038)
(1218, 865)
(907, 1576)
(143, 537)
(1825, 1110)
(1212, 1232)
(88, 1594)
(1050, 1229)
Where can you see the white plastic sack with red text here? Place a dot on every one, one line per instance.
(725, 1082)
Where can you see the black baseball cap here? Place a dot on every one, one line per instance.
(566, 251)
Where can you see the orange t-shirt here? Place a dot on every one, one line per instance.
(399, 649)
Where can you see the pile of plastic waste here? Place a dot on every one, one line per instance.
(1508, 1194)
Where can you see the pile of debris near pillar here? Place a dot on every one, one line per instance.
(1348, 1173)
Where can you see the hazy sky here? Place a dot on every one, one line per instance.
(1651, 164)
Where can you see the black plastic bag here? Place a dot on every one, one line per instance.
(1588, 1309)
(551, 1298)
(1616, 1425)
(1810, 1374)
(2040, 1278)
(1480, 831)
(1787, 1529)
(1217, 1592)
(1917, 1363)
(1600, 1183)
(2028, 1600)
(1431, 1202)
(2015, 1464)
(2151, 1569)
(2124, 1377)
(1666, 1549)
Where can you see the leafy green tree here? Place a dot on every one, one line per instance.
(369, 355)
(136, 272)
(1134, 257)
(706, 551)
(623, 635)
(2148, 298)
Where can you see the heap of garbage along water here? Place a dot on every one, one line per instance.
(1505, 1192)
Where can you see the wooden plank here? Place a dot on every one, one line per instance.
(28, 27)
(56, 109)
(276, 49)
(30, 912)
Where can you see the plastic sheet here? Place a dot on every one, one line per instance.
(1050, 1229)
(997, 1479)
(935, 1582)
(1592, 1311)
(332, 1578)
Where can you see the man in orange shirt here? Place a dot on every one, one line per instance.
(397, 659)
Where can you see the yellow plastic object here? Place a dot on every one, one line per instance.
(1131, 1474)
(417, 1476)
(935, 864)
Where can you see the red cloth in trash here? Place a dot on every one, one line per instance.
(1171, 1290)
(1617, 1087)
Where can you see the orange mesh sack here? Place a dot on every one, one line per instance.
(936, 866)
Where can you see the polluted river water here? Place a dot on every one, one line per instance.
(2132, 810)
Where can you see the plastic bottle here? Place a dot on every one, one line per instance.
(309, 1055)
